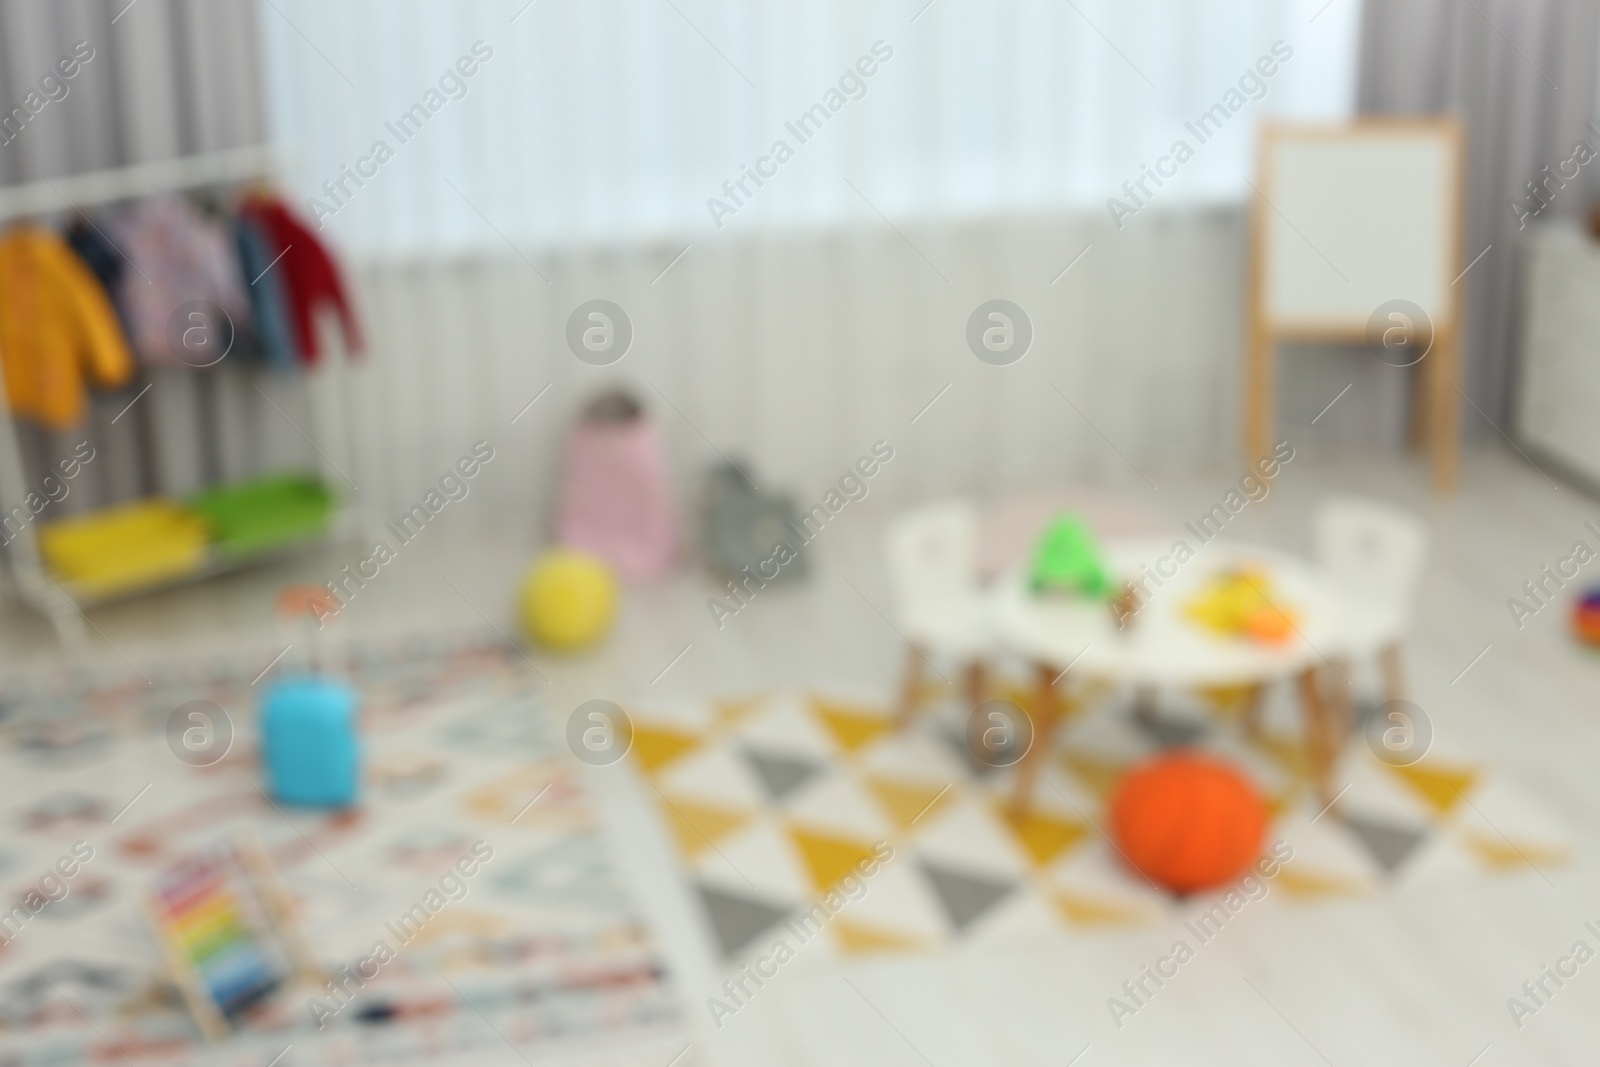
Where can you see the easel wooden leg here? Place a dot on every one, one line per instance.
(1258, 390)
(1422, 378)
(1259, 370)
(1444, 416)
(1046, 715)
(1394, 680)
(910, 686)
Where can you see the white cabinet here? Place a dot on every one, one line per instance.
(1558, 410)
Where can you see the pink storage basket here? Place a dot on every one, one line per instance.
(616, 498)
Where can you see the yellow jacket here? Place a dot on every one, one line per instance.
(56, 326)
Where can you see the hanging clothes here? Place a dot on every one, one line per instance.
(178, 255)
(310, 274)
(269, 299)
(100, 256)
(57, 329)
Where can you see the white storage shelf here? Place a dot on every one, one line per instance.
(1558, 410)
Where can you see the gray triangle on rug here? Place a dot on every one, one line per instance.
(956, 737)
(1389, 843)
(737, 919)
(1167, 731)
(781, 775)
(965, 896)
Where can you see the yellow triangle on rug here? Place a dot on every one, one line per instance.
(1305, 884)
(1228, 702)
(852, 727)
(657, 746)
(858, 938)
(1099, 774)
(1440, 787)
(829, 857)
(1289, 753)
(1282, 802)
(733, 712)
(698, 825)
(908, 802)
(1043, 837)
(1503, 854)
(1085, 911)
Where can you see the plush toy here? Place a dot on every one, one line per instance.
(1187, 821)
(1586, 617)
(740, 526)
(568, 600)
(310, 746)
(1241, 603)
(1067, 560)
(616, 494)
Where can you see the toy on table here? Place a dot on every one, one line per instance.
(1125, 605)
(1241, 603)
(569, 599)
(310, 748)
(1586, 617)
(1067, 560)
(226, 932)
(1187, 821)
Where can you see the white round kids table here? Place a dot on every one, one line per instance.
(1159, 646)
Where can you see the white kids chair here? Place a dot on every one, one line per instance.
(932, 554)
(1372, 554)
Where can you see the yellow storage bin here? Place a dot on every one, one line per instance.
(125, 548)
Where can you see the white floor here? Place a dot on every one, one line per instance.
(1405, 978)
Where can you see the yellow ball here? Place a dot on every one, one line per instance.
(568, 600)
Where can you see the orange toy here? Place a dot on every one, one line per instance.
(305, 610)
(1268, 626)
(312, 600)
(1239, 602)
(1187, 821)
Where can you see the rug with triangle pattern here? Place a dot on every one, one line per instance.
(781, 802)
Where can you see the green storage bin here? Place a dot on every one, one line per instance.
(255, 517)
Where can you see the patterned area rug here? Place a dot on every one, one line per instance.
(785, 806)
(544, 950)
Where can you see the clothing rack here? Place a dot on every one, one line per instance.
(96, 188)
(33, 584)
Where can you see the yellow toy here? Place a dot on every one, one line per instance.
(568, 600)
(125, 547)
(1241, 603)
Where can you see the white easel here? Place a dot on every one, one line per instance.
(1349, 221)
(60, 604)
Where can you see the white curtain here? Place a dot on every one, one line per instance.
(797, 351)
(572, 155)
(613, 121)
(1521, 76)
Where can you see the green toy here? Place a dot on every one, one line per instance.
(254, 517)
(1067, 560)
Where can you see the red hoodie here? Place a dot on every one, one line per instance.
(310, 275)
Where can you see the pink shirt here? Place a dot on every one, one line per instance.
(177, 255)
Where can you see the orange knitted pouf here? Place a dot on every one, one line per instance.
(1187, 821)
